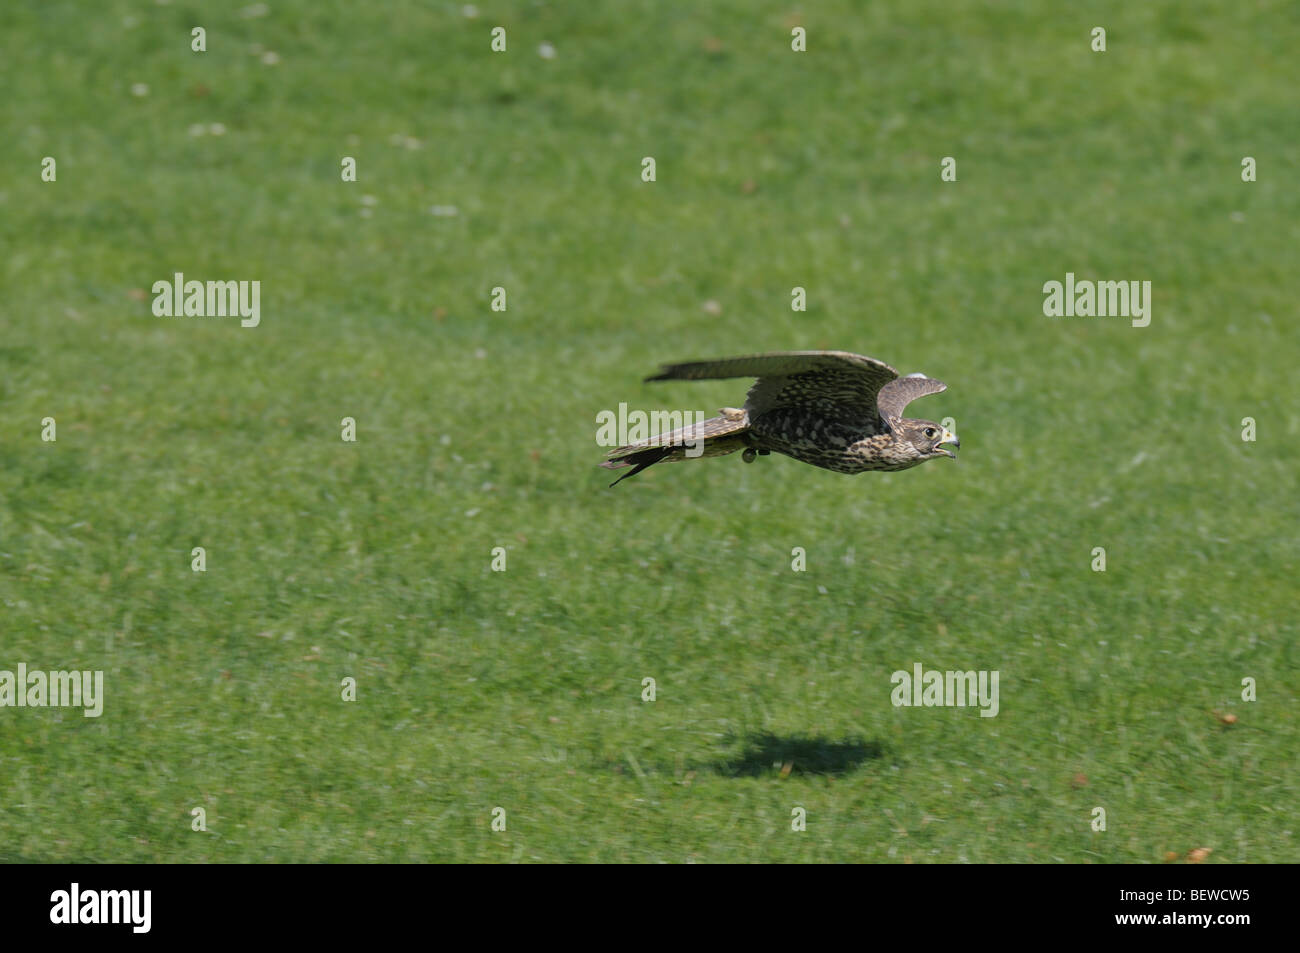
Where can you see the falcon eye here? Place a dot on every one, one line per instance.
(930, 433)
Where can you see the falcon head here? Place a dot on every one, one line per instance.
(927, 438)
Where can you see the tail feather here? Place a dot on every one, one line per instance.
(718, 435)
(641, 459)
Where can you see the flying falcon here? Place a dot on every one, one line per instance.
(833, 409)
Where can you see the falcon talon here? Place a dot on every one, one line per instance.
(832, 409)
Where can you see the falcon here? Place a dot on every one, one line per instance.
(835, 410)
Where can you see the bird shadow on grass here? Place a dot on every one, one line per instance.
(769, 754)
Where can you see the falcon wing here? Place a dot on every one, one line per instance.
(897, 394)
(829, 383)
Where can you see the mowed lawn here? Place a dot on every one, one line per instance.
(523, 689)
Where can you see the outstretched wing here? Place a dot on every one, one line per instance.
(896, 395)
(831, 384)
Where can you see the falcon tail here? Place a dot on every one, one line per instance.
(714, 437)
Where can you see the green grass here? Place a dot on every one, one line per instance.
(522, 689)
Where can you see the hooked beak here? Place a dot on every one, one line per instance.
(948, 437)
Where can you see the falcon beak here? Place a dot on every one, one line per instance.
(948, 437)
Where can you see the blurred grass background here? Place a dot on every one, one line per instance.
(522, 689)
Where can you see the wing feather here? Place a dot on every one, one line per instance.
(896, 395)
(830, 383)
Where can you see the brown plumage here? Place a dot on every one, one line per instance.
(833, 409)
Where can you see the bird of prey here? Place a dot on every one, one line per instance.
(833, 409)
